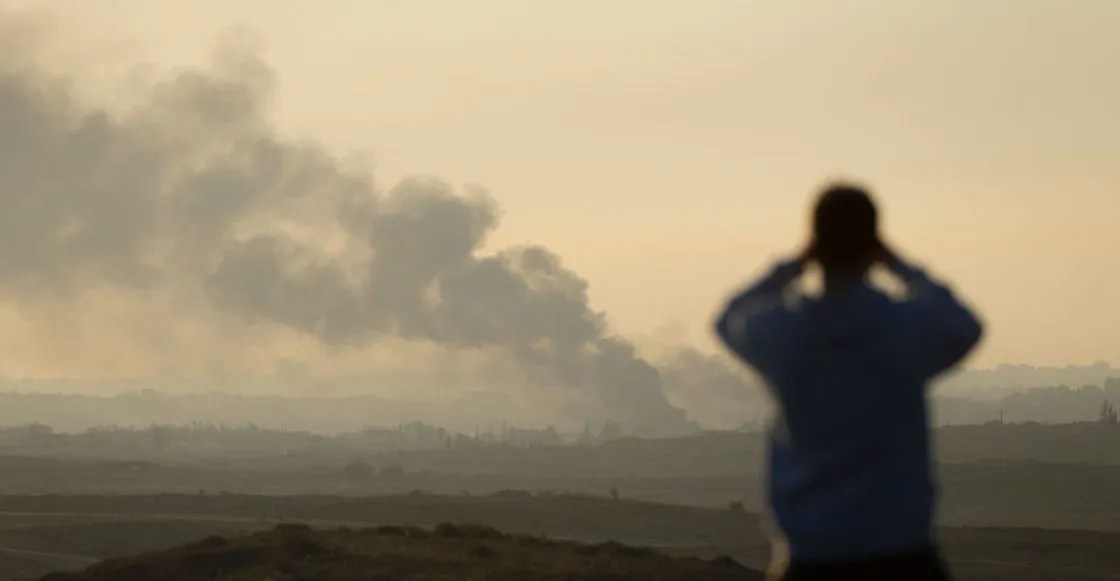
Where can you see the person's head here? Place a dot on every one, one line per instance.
(845, 231)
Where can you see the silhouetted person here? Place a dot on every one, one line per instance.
(850, 481)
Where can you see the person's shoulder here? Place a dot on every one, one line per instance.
(774, 317)
(782, 323)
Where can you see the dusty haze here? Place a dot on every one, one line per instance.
(181, 198)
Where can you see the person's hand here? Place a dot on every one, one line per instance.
(807, 255)
(888, 257)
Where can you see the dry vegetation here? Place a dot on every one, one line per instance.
(297, 552)
(39, 534)
(1009, 510)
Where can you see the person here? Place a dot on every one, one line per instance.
(850, 480)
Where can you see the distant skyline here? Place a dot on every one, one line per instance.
(667, 151)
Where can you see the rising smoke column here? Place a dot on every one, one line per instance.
(193, 189)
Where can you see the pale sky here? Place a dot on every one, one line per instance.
(667, 150)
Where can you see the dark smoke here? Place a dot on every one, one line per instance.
(194, 189)
(716, 391)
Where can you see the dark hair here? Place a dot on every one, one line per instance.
(845, 227)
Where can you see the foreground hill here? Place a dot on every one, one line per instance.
(292, 552)
(45, 533)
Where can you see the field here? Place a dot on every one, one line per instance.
(43, 533)
(1005, 517)
(407, 554)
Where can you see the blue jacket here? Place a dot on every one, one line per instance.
(850, 471)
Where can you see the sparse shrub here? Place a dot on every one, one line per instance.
(477, 531)
(296, 552)
(532, 541)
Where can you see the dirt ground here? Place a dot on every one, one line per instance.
(47, 533)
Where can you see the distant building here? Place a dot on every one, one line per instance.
(1112, 389)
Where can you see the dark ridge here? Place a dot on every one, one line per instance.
(448, 551)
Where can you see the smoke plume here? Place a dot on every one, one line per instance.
(192, 189)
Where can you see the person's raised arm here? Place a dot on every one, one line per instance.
(746, 323)
(943, 330)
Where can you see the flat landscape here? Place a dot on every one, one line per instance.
(44, 533)
(1011, 509)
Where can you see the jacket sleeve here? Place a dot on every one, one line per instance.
(750, 323)
(940, 329)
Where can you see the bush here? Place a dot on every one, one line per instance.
(476, 531)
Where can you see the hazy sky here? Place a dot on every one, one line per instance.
(666, 150)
